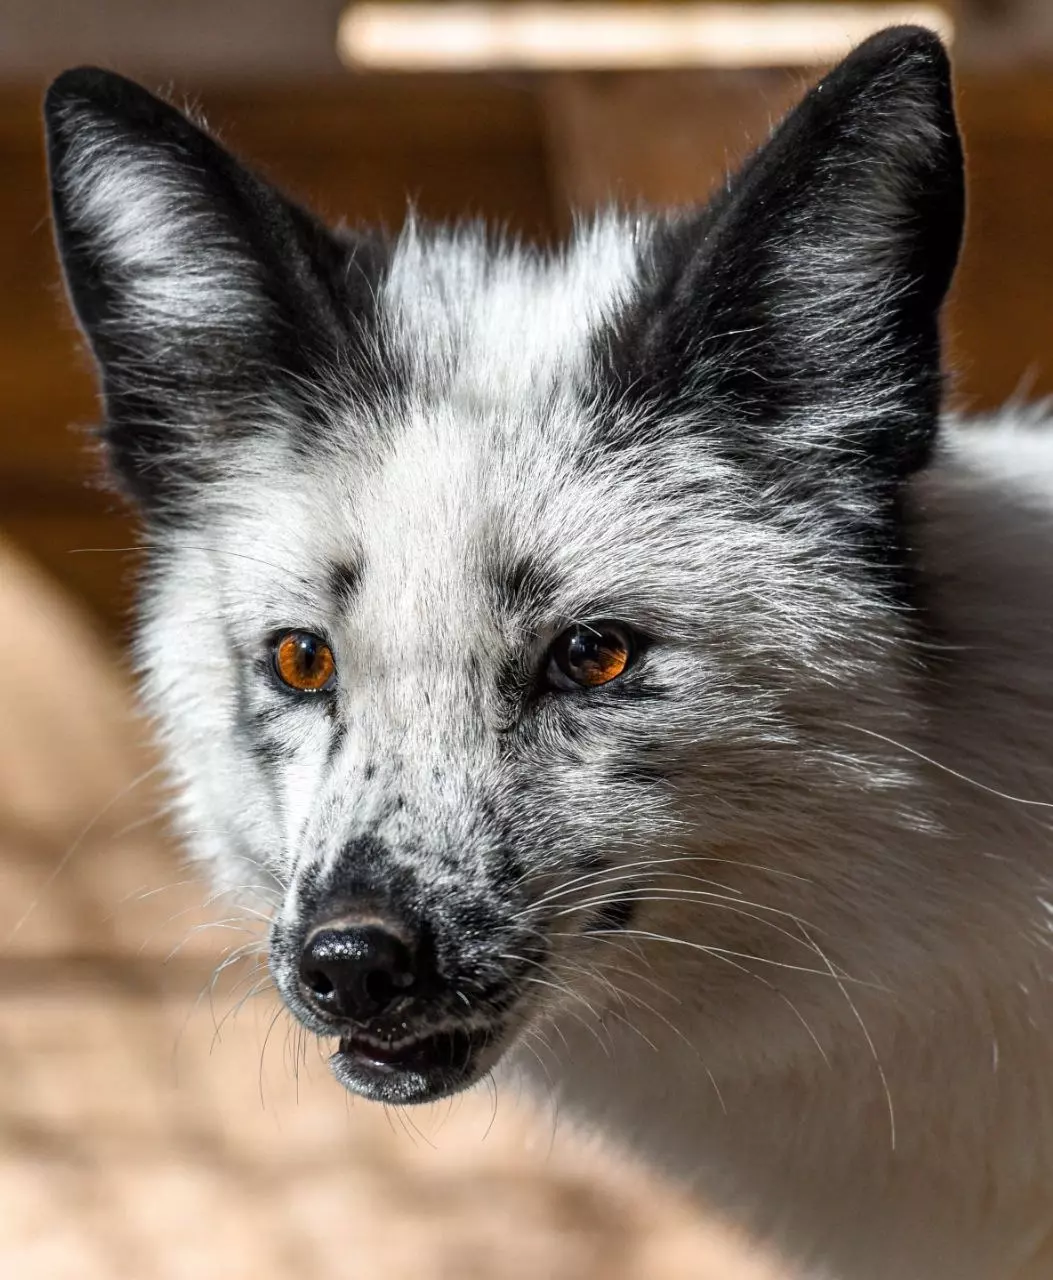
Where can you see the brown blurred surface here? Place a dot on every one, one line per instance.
(137, 1142)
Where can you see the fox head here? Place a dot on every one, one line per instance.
(528, 627)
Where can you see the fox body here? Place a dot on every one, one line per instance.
(612, 665)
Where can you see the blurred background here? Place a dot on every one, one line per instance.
(136, 1139)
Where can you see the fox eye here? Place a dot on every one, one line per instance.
(588, 656)
(304, 662)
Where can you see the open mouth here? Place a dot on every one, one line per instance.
(416, 1069)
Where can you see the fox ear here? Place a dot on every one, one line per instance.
(798, 314)
(196, 283)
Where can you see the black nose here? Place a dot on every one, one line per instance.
(357, 969)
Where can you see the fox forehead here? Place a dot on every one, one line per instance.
(481, 462)
(470, 313)
(466, 508)
(474, 442)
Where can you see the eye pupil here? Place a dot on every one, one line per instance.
(304, 662)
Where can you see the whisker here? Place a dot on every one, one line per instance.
(573, 995)
(726, 952)
(235, 1009)
(839, 979)
(492, 1086)
(699, 897)
(954, 773)
(228, 926)
(619, 869)
(146, 547)
(623, 995)
(263, 1052)
(71, 852)
(610, 874)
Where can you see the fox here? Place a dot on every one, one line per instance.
(613, 667)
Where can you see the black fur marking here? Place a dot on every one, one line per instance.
(264, 735)
(252, 725)
(645, 767)
(366, 871)
(631, 687)
(524, 586)
(344, 582)
(513, 683)
(505, 866)
(593, 862)
(336, 740)
(270, 752)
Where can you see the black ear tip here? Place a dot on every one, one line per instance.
(90, 84)
(903, 46)
(92, 89)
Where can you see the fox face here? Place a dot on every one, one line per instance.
(526, 628)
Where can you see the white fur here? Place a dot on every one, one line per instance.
(177, 265)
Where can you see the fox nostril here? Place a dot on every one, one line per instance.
(382, 987)
(319, 984)
(357, 969)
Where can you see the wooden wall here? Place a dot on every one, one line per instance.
(515, 150)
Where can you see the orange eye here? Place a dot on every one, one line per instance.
(589, 656)
(304, 662)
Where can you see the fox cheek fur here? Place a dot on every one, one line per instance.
(705, 449)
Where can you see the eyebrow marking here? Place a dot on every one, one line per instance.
(345, 580)
(524, 585)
